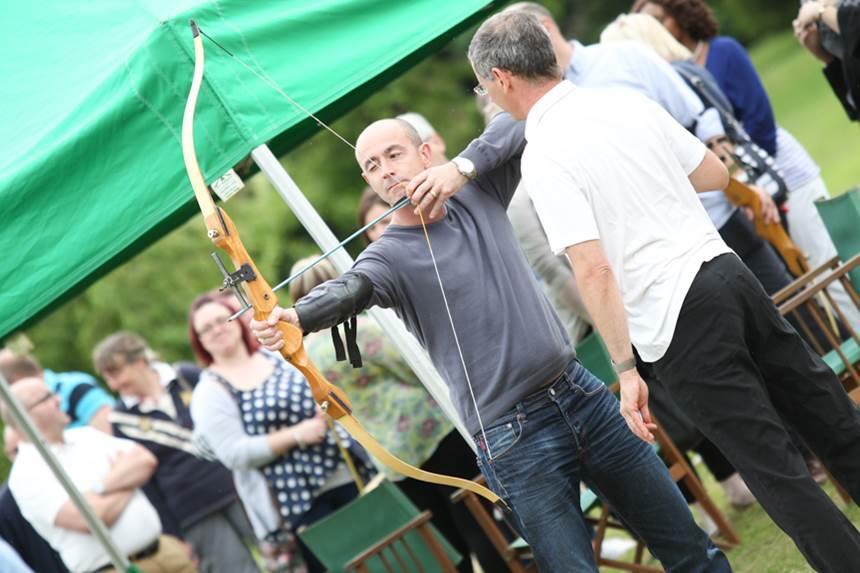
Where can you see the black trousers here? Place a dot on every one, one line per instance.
(454, 457)
(739, 369)
(764, 262)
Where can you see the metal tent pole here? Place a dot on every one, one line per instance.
(97, 528)
(408, 346)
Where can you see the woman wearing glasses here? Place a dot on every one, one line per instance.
(255, 413)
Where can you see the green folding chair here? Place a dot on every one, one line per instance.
(841, 216)
(380, 532)
(592, 353)
(841, 349)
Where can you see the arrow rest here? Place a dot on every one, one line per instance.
(232, 281)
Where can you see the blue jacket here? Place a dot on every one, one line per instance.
(731, 66)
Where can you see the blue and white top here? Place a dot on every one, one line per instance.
(295, 477)
(81, 396)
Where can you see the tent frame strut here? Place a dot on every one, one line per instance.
(97, 528)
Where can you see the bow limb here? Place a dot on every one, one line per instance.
(223, 233)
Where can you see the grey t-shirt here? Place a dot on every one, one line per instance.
(513, 342)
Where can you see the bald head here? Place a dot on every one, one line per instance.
(27, 388)
(41, 404)
(390, 153)
(392, 127)
(27, 391)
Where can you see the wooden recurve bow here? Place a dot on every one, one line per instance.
(224, 235)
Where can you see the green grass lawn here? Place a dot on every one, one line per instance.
(764, 547)
(805, 105)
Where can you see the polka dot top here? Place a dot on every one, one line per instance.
(285, 399)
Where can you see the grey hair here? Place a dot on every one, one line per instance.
(514, 41)
(318, 274)
(420, 123)
(532, 8)
(118, 349)
(410, 131)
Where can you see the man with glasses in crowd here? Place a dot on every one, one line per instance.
(108, 471)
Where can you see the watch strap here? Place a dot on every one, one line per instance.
(624, 365)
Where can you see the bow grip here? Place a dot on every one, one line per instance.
(330, 398)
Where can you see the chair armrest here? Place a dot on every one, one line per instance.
(787, 291)
(801, 298)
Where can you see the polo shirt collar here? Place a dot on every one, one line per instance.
(545, 103)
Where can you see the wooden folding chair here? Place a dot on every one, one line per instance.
(725, 537)
(517, 555)
(380, 532)
(841, 348)
(396, 553)
(841, 217)
(515, 552)
(592, 353)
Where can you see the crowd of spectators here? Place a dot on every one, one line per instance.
(217, 465)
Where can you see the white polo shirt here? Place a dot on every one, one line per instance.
(86, 457)
(610, 164)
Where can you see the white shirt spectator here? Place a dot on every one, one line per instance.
(86, 457)
(587, 183)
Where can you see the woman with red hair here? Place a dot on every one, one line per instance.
(255, 413)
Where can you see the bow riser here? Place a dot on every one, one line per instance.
(224, 235)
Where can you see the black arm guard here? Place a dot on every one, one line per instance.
(334, 301)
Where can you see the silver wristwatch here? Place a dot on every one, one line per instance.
(465, 167)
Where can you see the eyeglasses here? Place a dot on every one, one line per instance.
(217, 323)
(41, 400)
(480, 90)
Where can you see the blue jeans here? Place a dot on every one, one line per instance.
(572, 432)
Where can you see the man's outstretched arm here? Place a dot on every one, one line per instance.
(602, 297)
(325, 306)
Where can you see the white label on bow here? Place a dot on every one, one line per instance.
(227, 185)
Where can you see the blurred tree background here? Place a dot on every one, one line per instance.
(151, 293)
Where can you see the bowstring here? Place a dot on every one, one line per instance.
(265, 78)
(454, 331)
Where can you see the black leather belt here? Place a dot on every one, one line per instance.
(147, 551)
